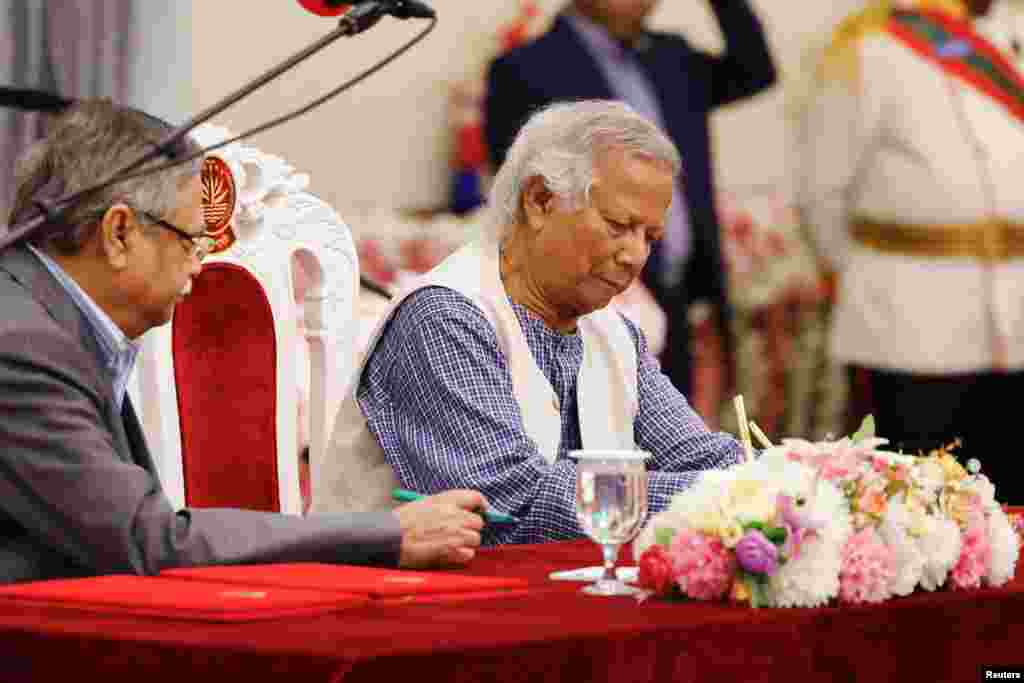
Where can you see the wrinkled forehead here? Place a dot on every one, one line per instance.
(614, 161)
(633, 183)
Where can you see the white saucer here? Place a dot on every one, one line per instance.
(591, 574)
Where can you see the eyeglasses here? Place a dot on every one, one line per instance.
(199, 246)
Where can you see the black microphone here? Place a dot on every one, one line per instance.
(32, 100)
(400, 9)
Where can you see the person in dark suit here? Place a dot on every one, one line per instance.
(599, 49)
(79, 494)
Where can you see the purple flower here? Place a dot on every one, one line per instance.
(756, 554)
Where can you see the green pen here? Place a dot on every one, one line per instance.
(491, 516)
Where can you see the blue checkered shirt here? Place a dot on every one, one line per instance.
(437, 395)
(116, 352)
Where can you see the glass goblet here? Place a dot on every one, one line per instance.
(611, 505)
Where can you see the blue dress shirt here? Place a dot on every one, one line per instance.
(116, 352)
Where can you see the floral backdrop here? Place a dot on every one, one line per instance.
(782, 309)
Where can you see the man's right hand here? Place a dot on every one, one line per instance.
(441, 530)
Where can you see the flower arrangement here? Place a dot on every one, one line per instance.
(806, 523)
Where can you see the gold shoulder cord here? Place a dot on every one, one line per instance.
(840, 60)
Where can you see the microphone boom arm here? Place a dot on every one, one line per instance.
(362, 17)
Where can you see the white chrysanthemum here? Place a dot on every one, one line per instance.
(812, 579)
(752, 500)
(721, 500)
(940, 548)
(909, 562)
(744, 493)
(1005, 548)
(780, 453)
(706, 506)
(791, 478)
(704, 492)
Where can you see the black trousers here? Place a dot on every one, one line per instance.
(921, 412)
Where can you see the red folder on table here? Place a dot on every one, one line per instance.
(190, 600)
(373, 581)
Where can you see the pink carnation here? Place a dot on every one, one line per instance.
(838, 467)
(703, 566)
(868, 566)
(975, 555)
(835, 469)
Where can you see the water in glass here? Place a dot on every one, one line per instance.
(611, 504)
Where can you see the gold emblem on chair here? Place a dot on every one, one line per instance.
(219, 199)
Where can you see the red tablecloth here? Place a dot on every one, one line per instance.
(551, 633)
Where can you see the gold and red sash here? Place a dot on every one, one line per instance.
(954, 45)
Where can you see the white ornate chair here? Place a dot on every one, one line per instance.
(218, 387)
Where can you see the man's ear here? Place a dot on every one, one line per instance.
(117, 233)
(538, 202)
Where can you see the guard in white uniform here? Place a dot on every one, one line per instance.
(914, 187)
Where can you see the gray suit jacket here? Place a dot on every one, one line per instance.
(79, 493)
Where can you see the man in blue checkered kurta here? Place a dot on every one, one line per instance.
(437, 394)
(585, 192)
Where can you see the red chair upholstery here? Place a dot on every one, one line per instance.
(224, 347)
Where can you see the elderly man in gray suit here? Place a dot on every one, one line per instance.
(79, 493)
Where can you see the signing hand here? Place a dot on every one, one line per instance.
(440, 530)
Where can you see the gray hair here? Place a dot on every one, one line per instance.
(84, 145)
(561, 144)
